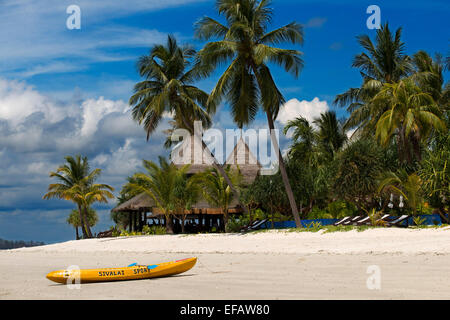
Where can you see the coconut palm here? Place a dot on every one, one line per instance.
(215, 189)
(74, 219)
(331, 135)
(160, 183)
(247, 48)
(383, 62)
(168, 90)
(304, 137)
(326, 140)
(77, 185)
(411, 116)
(187, 192)
(429, 76)
(87, 194)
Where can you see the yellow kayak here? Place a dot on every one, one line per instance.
(132, 272)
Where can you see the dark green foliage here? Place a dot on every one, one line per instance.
(360, 165)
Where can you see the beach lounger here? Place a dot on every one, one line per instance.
(247, 227)
(397, 222)
(363, 221)
(352, 221)
(341, 221)
(258, 225)
(368, 221)
(384, 218)
(255, 225)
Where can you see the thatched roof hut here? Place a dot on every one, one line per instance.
(240, 156)
(143, 202)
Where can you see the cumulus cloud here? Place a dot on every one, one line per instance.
(37, 132)
(307, 109)
(94, 110)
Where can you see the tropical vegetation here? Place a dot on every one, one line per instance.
(76, 183)
(394, 141)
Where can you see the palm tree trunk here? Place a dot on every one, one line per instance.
(83, 229)
(76, 233)
(286, 182)
(169, 224)
(183, 219)
(85, 223)
(416, 146)
(225, 218)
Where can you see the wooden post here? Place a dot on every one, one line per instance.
(140, 215)
(130, 220)
(137, 216)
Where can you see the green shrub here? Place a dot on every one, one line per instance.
(124, 233)
(146, 229)
(317, 213)
(340, 209)
(235, 225)
(153, 230)
(115, 231)
(258, 214)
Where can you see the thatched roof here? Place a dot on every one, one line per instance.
(248, 164)
(140, 202)
(240, 156)
(191, 152)
(146, 203)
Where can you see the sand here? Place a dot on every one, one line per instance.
(412, 264)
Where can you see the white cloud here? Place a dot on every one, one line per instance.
(95, 110)
(56, 67)
(37, 132)
(307, 109)
(19, 100)
(34, 35)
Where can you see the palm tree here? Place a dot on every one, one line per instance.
(168, 89)
(311, 157)
(429, 76)
(435, 174)
(304, 137)
(327, 139)
(74, 219)
(87, 194)
(383, 62)
(408, 186)
(160, 183)
(187, 192)
(247, 48)
(77, 185)
(411, 116)
(215, 189)
(331, 134)
(359, 167)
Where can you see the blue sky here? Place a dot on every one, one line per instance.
(65, 91)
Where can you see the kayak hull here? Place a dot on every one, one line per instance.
(120, 274)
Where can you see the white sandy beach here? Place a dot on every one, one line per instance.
(414, 264)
